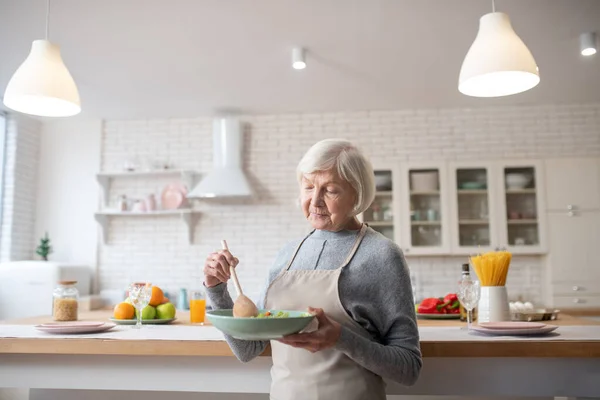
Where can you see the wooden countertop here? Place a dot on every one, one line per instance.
(529, 348)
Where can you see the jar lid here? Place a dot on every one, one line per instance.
(67, 282)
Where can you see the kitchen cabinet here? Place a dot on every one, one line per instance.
(521, 206)
(425, 211)
(573, 184)
(382, 214)
(474, 196)
(573, 212)
(574, 261)
(463, 208)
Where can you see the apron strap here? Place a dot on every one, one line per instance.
(359, 238)
(296, 252)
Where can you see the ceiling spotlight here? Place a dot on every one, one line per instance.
(587, 41)
(298, 58)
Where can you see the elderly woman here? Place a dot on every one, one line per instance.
(351, 277)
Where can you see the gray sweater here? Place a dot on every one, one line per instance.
(375, 290)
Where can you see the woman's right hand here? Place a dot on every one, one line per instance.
(216, 267)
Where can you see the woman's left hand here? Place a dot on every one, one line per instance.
(325, 337)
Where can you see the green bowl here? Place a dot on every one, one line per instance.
(259, 328)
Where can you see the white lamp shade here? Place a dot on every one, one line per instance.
(42, 85)
(498, 62)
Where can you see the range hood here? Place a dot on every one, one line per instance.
(226, 178)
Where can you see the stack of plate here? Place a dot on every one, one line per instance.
(513, 328)
(75, 327)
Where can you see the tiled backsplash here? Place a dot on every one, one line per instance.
(157, 247)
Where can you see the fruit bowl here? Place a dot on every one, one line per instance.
(155, 321)
(259, 328)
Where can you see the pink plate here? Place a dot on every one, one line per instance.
(174, 196)
(515, 332)
(76, 329)
(512, 325)
(71, 324)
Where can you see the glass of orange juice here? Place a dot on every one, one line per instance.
(197, 307)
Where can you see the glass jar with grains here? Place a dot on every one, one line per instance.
(65, 301)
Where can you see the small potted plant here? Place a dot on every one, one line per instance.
(44, 249)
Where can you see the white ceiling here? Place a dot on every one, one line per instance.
(185, 58)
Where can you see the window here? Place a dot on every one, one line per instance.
(2, 158)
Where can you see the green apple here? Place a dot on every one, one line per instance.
(148, 312)
(165, 311)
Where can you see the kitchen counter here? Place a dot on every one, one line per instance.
(561, 365)
(430, 347)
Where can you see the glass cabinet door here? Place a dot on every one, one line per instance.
(427, 211)
(521, 199)
(380, 215)
(473, 228)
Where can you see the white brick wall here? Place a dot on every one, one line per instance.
(17, 240)
(156, 248)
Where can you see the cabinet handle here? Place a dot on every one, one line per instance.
(406, 250)
(570, 207)
(576, 301)
(570, 214)
(575, 288)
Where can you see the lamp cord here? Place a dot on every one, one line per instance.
(493, 5)
(48, 20)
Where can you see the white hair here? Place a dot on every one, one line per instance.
(350, 163)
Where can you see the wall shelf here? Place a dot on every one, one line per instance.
(472, 191)
(520, 191)
(522, 221)
(427, 193)
(104, 178)
(188, 216)
(474, 222)
(380, 223)
(426, 223)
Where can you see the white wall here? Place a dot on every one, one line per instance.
(67, 188)
(156, 248)
(20, 188)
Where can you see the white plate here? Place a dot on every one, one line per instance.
(438, 316)
(144, 321)
(515, 332)
(66, 329)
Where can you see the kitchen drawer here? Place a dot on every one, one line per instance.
(575, 288)
(576, 301)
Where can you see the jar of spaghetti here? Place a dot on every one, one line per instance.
(65, 301)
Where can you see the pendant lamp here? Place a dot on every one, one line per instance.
(42, 85)
(498, 63)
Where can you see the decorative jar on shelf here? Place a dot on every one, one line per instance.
(150, 202)
(65, 302)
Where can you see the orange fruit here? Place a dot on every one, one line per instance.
(165, 300)
(157, 296)
(124, 311)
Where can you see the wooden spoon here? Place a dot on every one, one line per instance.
(243, 306)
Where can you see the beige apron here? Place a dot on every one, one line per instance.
(327, 374)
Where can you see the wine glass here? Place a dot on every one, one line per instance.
(468, 295)
(139, 295)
